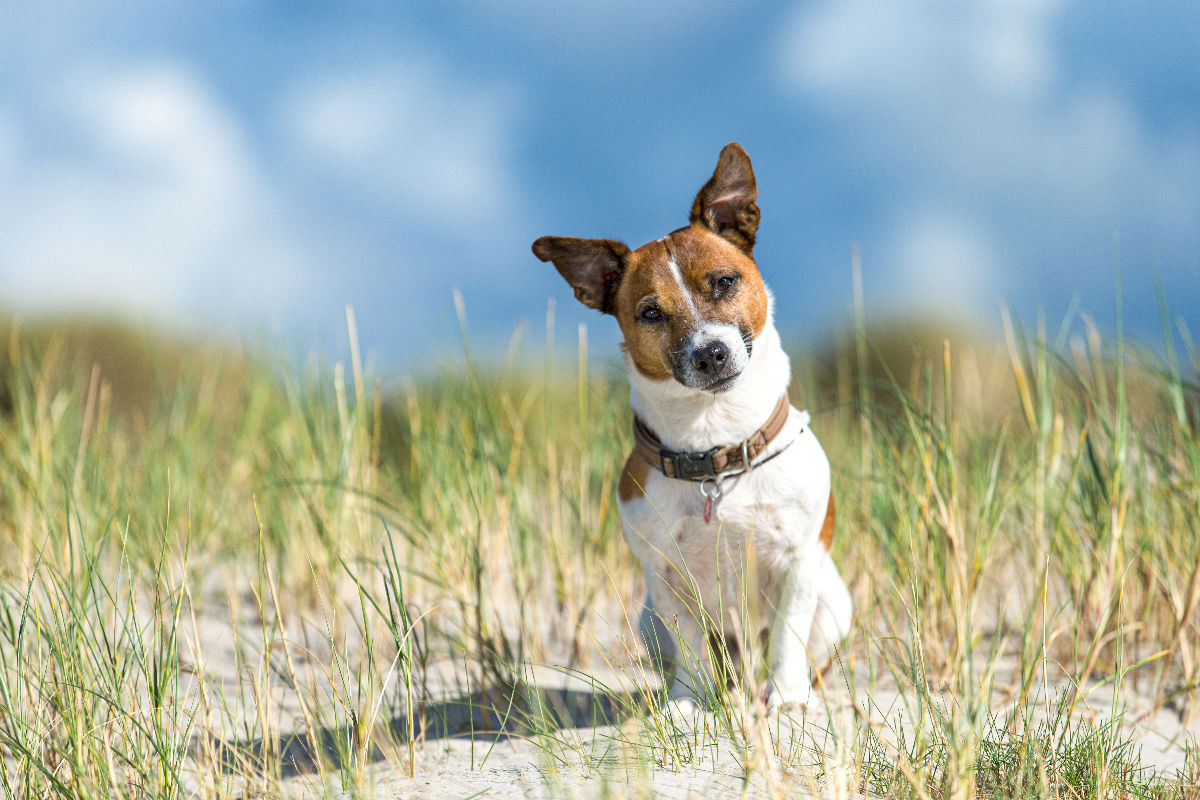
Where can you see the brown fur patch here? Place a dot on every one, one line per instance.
(700, 256)
(827, 526)
(633, 477)
(648, 278)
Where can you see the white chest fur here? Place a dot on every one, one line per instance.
(772, 515)
(759, 555)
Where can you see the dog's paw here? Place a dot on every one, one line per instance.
(687, 706)
(684, 707)
(785, 698)
(683, 712)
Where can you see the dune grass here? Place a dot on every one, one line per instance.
(242, 577)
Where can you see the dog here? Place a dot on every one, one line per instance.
(725, 498)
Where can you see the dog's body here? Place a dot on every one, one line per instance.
(738, 555)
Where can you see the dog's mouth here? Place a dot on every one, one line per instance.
(723, 381)
(722, 384)
(714, 384)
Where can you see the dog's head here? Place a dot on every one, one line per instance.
(690, 304)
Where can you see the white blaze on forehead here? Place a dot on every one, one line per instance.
(687, 294)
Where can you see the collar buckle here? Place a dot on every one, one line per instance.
(689, 466)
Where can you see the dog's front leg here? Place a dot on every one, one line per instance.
(791, 619)
(676, 635)
(693, 687)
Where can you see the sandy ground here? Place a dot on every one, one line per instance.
(592, 742)
(518, 767)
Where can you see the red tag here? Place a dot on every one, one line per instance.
(707, 507)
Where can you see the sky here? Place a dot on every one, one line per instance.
(252, 169)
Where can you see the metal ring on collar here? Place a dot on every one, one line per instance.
(716, 488)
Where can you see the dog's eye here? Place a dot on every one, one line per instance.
(651, 314)
(723, 284)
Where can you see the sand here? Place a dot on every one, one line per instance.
(591, 741)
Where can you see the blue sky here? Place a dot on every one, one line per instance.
(253, 167)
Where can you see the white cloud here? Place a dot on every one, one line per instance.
(970, 105)
(155, 205)
(848, 51)
(943, 262)
(415, 137)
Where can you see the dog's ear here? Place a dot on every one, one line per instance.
(726, 203)
(593, 267)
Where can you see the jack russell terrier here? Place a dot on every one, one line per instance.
(726, 496)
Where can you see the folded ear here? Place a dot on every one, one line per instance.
(726, 203)
(593, 267)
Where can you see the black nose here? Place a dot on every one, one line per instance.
(710, 358)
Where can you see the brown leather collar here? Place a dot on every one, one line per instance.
(702, 466)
